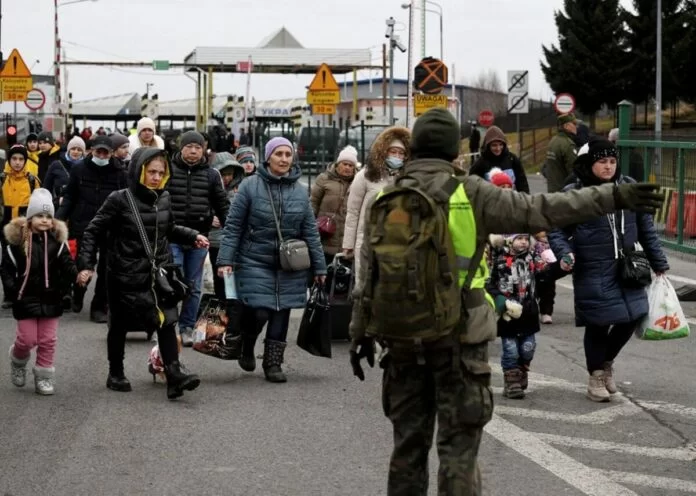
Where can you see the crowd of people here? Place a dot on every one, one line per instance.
(143, 221)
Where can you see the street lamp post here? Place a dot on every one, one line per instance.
(57, 51)
(439, 12)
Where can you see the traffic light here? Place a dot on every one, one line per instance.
(11, 135)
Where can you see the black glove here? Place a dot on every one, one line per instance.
(639, 197)
(362, 348)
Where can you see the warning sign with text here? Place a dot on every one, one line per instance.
(423, 103)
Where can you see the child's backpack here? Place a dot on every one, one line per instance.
(411, 291)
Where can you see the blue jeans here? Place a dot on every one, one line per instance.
(517, 351)
(191, 261)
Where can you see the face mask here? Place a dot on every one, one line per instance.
(394, 163)
(101, 162)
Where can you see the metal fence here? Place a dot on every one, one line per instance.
(672, 165)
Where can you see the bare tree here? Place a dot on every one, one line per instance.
(485, 91)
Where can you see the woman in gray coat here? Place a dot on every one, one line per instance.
(249, 247)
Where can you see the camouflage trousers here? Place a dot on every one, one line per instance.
(417, 389)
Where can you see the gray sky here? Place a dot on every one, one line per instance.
(481, 34)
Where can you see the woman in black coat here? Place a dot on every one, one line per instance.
(495, 154)
(608, 308)
(133, 302)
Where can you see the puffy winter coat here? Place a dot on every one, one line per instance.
(506, 161)
(129, 273)
(330, 197)
(45, 160)
(600, 299)
(88, 188)
(196, 194)
(16, 191)
(134, 143)
(250, 242)
(58, 176)
(51, 270)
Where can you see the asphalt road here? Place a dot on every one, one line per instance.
(323, 432)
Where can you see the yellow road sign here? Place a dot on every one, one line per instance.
(423, 103)
(15, 78)
(323, 109)
(323, 97)
(323, 90)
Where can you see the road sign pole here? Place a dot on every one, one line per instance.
(409, 63)
(519, 138)
(391, 83)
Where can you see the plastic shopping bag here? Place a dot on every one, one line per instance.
(665, 319)
(208, 276)
(210, 335)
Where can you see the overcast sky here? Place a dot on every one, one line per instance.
(478, 34)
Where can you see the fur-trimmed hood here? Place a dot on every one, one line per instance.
(376, 168)
(14, 231)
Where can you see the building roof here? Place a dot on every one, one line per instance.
(125, 104)
(280, 53)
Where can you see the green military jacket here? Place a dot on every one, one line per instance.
(560, 158)
(497, 211)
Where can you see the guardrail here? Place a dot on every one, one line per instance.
(672, 165)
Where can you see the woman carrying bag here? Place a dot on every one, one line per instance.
(610, 295)
(138, 224)
(270, 241)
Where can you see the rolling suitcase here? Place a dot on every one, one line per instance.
(339, 281)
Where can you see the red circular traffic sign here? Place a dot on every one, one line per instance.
(11, 130)
(486, 118)
(564, 103)
(35, 99)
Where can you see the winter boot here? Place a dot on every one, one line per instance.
(272, 360)
(43, 380)
(117, 381)
(18, 369)
(524, 376)
(609, 378)
(248, 361)
(99, 314)
(596, 389)
(513, 386)
(179, 380)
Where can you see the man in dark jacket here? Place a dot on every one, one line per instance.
(91, 182)
(48, 153)
(197, 194)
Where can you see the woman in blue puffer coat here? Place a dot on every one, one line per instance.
(250, 244)
(608, 309)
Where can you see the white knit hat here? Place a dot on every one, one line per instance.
(77, 142)
(40, 202)
(146, 123)
(348, 154)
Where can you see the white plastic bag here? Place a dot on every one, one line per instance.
(665, 319)
(208, 282)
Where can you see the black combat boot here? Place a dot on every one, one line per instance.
(178, 380)
(272, 359)
(116, 381)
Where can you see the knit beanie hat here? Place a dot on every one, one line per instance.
(275, 143)
(595, 149)
(17, 150)
(40, 202)
(566, 118)
(435, 135)
(246, 153)
(494, 133)
(500, 178)
(77, 142)
(118, 140)
(47, 137)
(146, 123)
(350, 154)
(192, 137)
(32, 137)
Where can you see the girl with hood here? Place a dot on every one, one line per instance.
(232, 175)
(249, 247)
(495, 154)
(607, 308)
(58, 174)
(145, 136)
(387, 156)
(134, 303)
(37, 271)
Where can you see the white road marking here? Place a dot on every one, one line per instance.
(603, 416)
(664, 407)
(588, 480)
(681, 279)
(682, 454)
(646, 480)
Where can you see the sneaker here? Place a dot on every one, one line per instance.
(609, 378)
(186, 336)
(546, 319)
(596, 388)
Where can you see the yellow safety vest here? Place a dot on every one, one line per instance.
(462, 227)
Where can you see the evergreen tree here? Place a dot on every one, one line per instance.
(685, 55)
(589, 59)
(642, 49)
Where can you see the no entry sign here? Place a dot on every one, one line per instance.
(35, 100)
(486, 118)
(564, 103)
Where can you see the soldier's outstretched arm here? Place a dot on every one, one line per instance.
(503, 211)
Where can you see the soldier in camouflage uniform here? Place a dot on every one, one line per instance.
(449, 379)
(561, 154)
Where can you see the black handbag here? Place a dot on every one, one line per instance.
(634, 266)
(314, 334)
(170, 287)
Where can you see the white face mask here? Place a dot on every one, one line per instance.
(101, 162)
